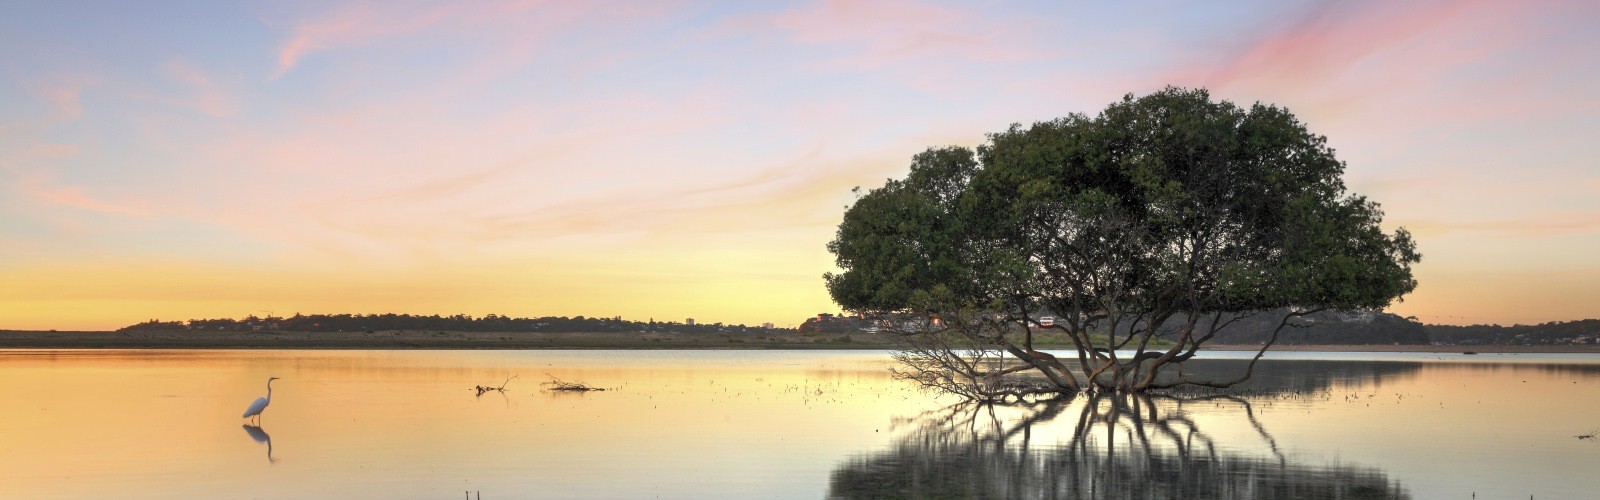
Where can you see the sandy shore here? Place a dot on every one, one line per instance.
(412, 339)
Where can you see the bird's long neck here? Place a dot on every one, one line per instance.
(269, 390)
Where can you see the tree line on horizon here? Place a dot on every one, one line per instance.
(456, 322)
(1326, 327)
(1331, 327)
(1579, 331)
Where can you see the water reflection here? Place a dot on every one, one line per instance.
(1116, 447)
(1275, 376)
(261, 437)
(778, 424)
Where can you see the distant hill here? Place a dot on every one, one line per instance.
(453, 323)
(1370, 327)
(1585, 331)
(1329, 327)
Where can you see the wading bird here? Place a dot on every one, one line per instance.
(261, 403)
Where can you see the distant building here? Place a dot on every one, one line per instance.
(767, 325)
(689, 321)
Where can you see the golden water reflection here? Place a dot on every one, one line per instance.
(408, 424)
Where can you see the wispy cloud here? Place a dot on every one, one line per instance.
(512, 24)
(360, 23)
(1544, 225)
(789, 194)
(205, 94)
(75, 197)
(906, 34)
(1328, 40)
(64, 93)
(40, 185)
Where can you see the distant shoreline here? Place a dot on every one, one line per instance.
(413, 339)
(1486, 349)
(427, 339)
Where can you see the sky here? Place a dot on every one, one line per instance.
(676, 159)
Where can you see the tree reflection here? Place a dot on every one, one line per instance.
(1119, 446)
(1274, 377)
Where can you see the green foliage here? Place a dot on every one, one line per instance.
(900, 239)
(1162, 204)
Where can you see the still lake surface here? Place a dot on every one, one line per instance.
(778, 424)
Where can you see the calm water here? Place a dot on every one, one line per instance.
(407, 424)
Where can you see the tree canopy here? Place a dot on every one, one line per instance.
(1128, 228)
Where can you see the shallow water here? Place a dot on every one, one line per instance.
(802, 424)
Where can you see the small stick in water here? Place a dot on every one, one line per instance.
(557, 384)
(486, 388)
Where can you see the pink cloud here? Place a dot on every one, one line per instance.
(65, 94)
(515, 25)
(208, 96)
(791, 193)
(357, 24)
(1544, 225)
(39, 182)
(37, 185)
(74, 197)
(1328, 41)
(371, 179)
(1398, 81)
(52, 151)
(886, 31)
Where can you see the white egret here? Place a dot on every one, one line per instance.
(261, 403)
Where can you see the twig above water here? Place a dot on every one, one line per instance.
(486, 388)
(557, 384)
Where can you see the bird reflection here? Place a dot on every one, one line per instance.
(261, 436)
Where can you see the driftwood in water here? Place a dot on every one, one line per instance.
(486, 388)
(557, 384)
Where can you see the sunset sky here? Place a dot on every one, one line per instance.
(689, 159)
